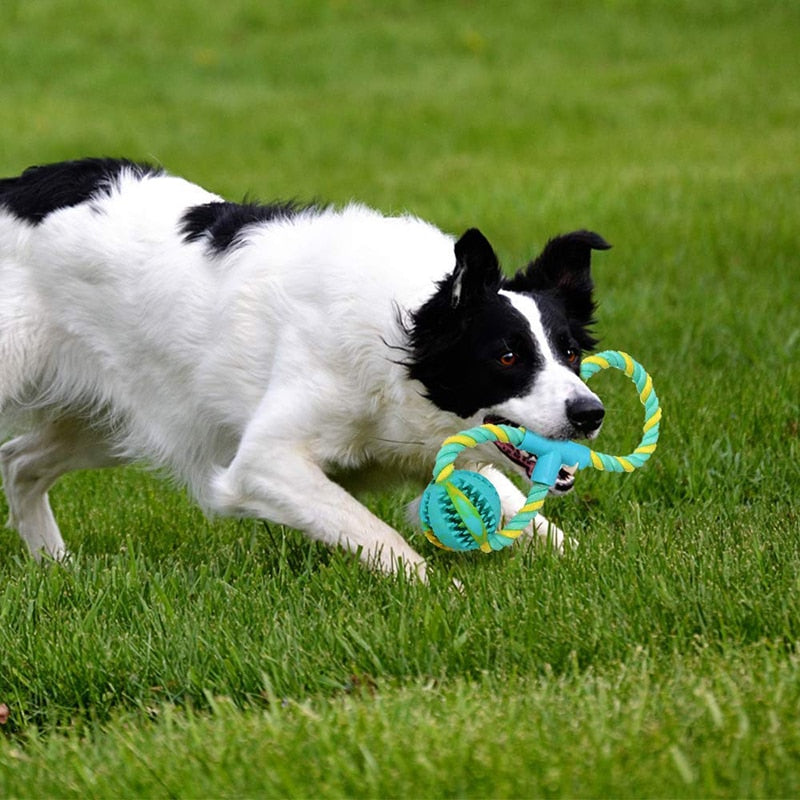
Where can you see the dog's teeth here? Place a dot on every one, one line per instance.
(570, 470)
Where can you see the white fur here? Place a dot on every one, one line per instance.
(255, 377)
(543, 407)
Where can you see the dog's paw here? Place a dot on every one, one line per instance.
(554, 536)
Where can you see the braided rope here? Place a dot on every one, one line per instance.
(648, 398)
(552, 454)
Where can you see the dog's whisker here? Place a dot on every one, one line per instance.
(407, 442)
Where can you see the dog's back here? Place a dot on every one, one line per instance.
(142, 297)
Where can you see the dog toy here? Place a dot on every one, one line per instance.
(460, 510)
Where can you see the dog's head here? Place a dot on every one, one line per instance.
(509, 349)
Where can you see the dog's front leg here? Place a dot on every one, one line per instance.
(278, 484)
(512, 500)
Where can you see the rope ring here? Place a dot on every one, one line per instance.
(617, 359)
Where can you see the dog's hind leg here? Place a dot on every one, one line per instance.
(31, 463)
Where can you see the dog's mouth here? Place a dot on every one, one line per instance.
(527, 461)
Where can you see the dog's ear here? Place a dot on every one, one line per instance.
(563, 265)
(563, 269)
(477, 269)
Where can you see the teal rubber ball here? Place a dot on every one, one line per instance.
(463, 512)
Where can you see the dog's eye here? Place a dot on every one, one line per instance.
(573, 355)
(508, 359)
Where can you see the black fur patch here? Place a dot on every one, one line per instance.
(40, 191)
(223, 223)
(458, 338)
(456, 354)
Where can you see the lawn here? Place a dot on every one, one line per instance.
(183, 657)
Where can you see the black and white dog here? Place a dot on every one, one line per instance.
(266, 355)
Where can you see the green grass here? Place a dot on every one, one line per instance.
(641, 724)
(178, 656)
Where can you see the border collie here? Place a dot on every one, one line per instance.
(267, 356)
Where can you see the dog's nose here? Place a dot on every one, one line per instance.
(586, 414)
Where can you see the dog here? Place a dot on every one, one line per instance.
(268, 356)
